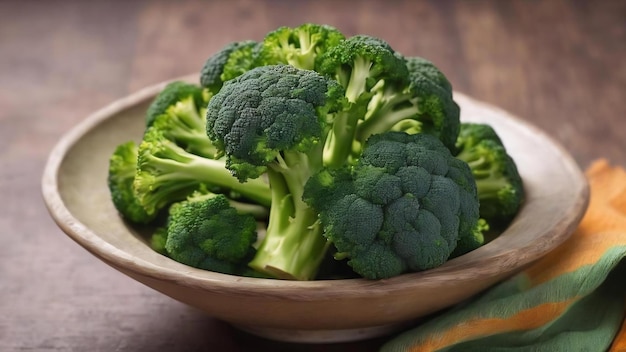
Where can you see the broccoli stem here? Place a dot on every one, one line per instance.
(304, 57)
(391, 110)
(293, 247)
(212, 172)
(257, 211)
(489, 187)
(338, 144)
(196, 143)
(358, 78)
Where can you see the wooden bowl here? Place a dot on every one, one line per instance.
(75, 191)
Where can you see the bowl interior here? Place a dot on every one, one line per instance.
(76, 193)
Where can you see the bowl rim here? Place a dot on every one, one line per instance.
(294, 290)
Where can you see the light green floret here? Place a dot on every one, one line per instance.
(122, 167)
(173, 93)
(300, 46)
(166, 172)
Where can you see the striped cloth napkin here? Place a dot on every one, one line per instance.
(571, 300)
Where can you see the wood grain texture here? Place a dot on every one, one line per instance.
(558, 64)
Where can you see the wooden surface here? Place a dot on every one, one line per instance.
(557, 64)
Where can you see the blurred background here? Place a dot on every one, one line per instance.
(560, 65)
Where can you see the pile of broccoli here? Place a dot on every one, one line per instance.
(310, 147)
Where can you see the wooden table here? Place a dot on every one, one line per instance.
(558, 64)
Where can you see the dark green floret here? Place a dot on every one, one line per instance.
(500, 187)
(231, 61)
(274, 120)
(403, 207)
(418, 66)
(206, 232)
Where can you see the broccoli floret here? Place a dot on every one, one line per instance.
(274, 119)
(122, 166)
(499, 184)
(231, 61)
(403, 206)
(206, 232)
(173, 93)
(184, 124)
(418, 66)
(299, 46)
(359, 64)
(167, 173)
(425, 105)
(472, 240)
(158, 240)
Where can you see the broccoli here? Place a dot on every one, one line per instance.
(231, 61)
(359, 64)
(206, 232)
(388, 93)
(173, 93)
(166, 173)
(274, 120)
(299, 46)
(403, 207)
(122, 166)
(158, 240)
(500, 187)
(419, 66)
(184, 124)
(425, 105)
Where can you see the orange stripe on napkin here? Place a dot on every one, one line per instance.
(606, 214)
(527, 319)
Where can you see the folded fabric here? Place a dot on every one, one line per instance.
(571, 300)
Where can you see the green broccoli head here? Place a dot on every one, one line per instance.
(499, 184)
(231, 61)
(173, 93)
(470, 134)
(300, 46)
(424, 105)
(122, 166)
(267, 111)
(205, 232)
(419, 66)
(361, 62)
(403, 207)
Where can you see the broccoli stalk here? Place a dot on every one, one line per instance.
(293, 247)
(165, 171)
(274, 120)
